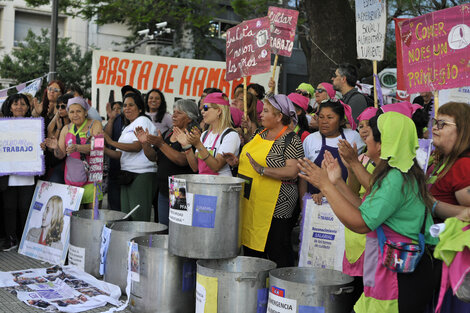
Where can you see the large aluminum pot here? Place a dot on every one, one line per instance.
(302, 289)
(166, 282)
(218, 199)
(85, 238)
(238, 284)
(116, 259)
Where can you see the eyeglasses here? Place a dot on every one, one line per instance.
(441, 123)
(320, 90)
(51, 89)
(303, 93)
(206, 107)
(60, 106)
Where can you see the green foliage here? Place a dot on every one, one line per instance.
(31, 60)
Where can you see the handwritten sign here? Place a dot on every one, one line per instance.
(20, 151)
(283, 25)
(96, 159)
(248, 51)
(371, 26)
(435, 50)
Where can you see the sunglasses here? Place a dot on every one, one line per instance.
(51, 89)
(320, 90)
(206, 107)
(303, 93)
(60, 106)
(441, 123)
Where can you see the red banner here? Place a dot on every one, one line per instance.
(435, 50)
(283, 25)
(248, 51)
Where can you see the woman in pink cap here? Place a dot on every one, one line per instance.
(211, 144)
(301, 105)
(324, 92)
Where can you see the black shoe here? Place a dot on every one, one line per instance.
(11, 243)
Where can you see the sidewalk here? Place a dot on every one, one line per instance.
(12, 261)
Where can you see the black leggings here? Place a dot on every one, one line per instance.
(16, 202)
(278, 245)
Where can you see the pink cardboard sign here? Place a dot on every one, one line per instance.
(283, 25)
(247, 47)
(435, 49)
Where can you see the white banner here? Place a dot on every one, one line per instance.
(177, 78)
(371, 27)
(20, 151)
(322, 238)
(47, 230)
(461, 94)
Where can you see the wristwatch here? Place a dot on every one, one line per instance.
(186, 148)
(261, 171)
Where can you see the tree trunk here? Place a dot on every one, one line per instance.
(329, 26)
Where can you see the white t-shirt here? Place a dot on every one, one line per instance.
(231, 143)
(18, 180)
(312, 144)
(136, 162)
(164, 125)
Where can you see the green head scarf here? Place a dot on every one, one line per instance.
(399, 140)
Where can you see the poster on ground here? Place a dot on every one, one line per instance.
(247, 49)
(46, 233)
(322, 237)
(435, 50)
(64, 289)
(177, 78)
(371, 27)
(20, 150)
(283, 26)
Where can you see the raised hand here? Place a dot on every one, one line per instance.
(109, 110)
(51, 143)
(141, 134)
(194, 137)
(332, 167)
(230, 158)
(181, 136)
(257, 167)
(157, 141)
(312, 173)
(347, 152)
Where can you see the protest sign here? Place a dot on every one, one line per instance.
(435, 50)
(46, 233)
(20, 150)
(322, 238)
(95, 171)
(455, 94)
(247, 49)
(371, 26)
(177, 78)
(283, 25)
(64, 289)
(32, 88)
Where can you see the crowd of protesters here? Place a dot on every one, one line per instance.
(327, 142)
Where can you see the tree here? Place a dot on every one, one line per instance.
(181, 15)
(31, 60)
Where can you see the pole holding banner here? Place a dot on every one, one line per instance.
(274, 72)
(374, 65)
(245, 104)
(436, 102)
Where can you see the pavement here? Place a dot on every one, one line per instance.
(13, 261)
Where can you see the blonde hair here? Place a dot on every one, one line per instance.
(57, 221)
(225, 119)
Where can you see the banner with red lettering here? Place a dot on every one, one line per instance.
(177, 78)
(283, 25)
(435, 49)
(248, 50)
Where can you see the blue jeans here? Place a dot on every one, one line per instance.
(163, 209)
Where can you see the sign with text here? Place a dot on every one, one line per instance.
(283, 25)
(371, 26)
(247, 47)
(20, 150)
(177, 78)
(435, 50)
